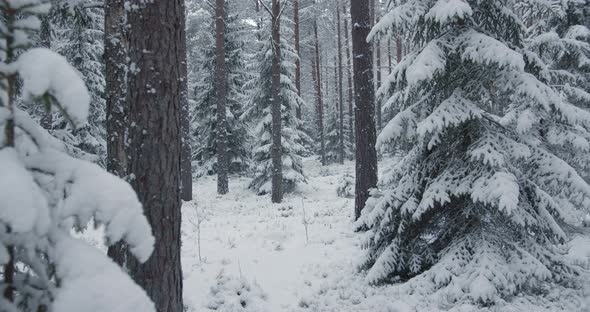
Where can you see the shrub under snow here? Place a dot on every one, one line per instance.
(236, 294)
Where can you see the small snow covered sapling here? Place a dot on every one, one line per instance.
(305, 221)
(201, 215)
(42, 189)
(346, 187)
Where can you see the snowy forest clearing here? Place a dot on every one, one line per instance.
(247, 242)
(245, 235)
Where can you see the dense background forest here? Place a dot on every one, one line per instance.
(295, 155)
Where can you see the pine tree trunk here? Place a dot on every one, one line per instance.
(318, 89)
(349, 72)
(154, 93)
(377, 66)
(298, 50)
(389, 58)
(9, 264)
(258, 20)
(186, 173)
(45, 34)
(220, 86)
(340, 95)
(115, 56)
(366, 155)
(277, 163)
(398, 48)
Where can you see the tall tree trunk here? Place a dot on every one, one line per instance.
(277, 162)
(258, 20)
(318, 89)
(349, 71)
(389, 58)
(154, 93)
(298, 51)
(115, 56)
(340, 95)
(220, 86)
(186, 173)
(9, 265)
(398, 48)
(377, 47)
(45, 34)
(366, 155)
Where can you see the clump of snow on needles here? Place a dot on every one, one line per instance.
(44, 71)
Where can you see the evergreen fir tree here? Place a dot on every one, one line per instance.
(558, 35)
(332, 136)
(78, 35)
(332, 128)
(479, 207)
(204, 105)
(259, 111)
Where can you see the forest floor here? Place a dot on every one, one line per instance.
(256, 256)
(260, 250)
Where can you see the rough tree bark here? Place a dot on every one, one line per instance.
(154, 94)
(9, 265)
(298, 51)
(349, 75)
(186, 173)
(318, 89)
(45, 34)
(340, 95)
(115, 57)
(366, 155)
(398, 48)
(277, 163)
(377, 48)
(220, 86)
(389, 59)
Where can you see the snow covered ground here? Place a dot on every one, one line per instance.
(248, 238)
(255, 255)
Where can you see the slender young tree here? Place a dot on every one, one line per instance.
(298, 50)
(377, 46)
(115, 55)
(349, 77)
(366, 155)
(154, 94)
(277, 162)
(220, 86)
(340, 88)
(186, 172)
(318, 89)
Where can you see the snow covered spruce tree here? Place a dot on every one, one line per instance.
(205, 103)
(78, 35)
(44, 192)
(333, 147)
(259, 111)
(558, 35)
(477, 210)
